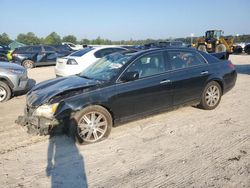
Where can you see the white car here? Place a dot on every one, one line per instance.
(73, 46)
(76, 62)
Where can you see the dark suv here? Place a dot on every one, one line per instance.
(31, 56)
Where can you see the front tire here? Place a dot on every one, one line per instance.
(5, 92)
(220, 48)
(202, 48)
(91, 124)
(211, 96)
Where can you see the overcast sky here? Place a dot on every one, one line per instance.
(122, 20)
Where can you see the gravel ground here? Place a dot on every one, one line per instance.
(187, 147)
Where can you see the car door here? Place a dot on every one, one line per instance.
(50, 55)
(151, 91)
(35, 54)
(189, 72)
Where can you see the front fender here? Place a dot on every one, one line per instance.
(78, 102)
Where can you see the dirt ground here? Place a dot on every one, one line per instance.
(188, 147)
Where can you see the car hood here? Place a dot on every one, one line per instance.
(46, 90)
(9, 65)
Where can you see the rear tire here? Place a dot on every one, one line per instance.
(220, 48)
(91, 124)
(237, 50)
(202, 48)
(211, 96)
(28, 64)
(247, 49)
(5, 92)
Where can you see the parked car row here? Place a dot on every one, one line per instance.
(38, 55)
(124, 85)
(242, 47)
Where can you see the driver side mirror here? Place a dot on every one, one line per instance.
(130, 76)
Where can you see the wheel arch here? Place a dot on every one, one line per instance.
(65, 109)
(7, 81)
(27, 59)
(219, 81)
(105, 107)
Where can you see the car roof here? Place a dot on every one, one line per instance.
(28, 46)
(141, 52)
(103, 47)
(164, 48)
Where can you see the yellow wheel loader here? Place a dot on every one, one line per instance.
(214, 42)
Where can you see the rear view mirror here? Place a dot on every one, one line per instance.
(130, 76)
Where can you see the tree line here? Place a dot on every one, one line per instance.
(53, 38)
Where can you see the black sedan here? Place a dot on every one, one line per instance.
(125, 85)
(31, 56)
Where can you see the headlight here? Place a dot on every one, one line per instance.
(72, 62)
(46, 110)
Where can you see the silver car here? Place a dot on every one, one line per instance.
(13, 78)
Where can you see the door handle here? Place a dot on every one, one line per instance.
(165, 81)
(204, 72)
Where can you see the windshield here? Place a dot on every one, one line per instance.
(209, 34)
(217, 34)
(107, 67)
(213, 34)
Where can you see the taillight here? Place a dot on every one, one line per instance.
(72, 62)
(231, 65)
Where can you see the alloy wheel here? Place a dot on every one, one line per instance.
(28, 64)
(212, 95)
(3, 94)
(92, 126)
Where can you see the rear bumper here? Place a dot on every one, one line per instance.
(37, 125)
(230, 82)
(69, 71)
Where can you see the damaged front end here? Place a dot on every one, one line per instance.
(45, 106)
(37, 125)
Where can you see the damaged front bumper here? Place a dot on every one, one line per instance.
(37, 125)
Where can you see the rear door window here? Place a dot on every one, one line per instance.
(49, 49)
(103, 52)
(81, 52)
(24, 49)
(118, 50)
(35, 49)
(184, 59)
